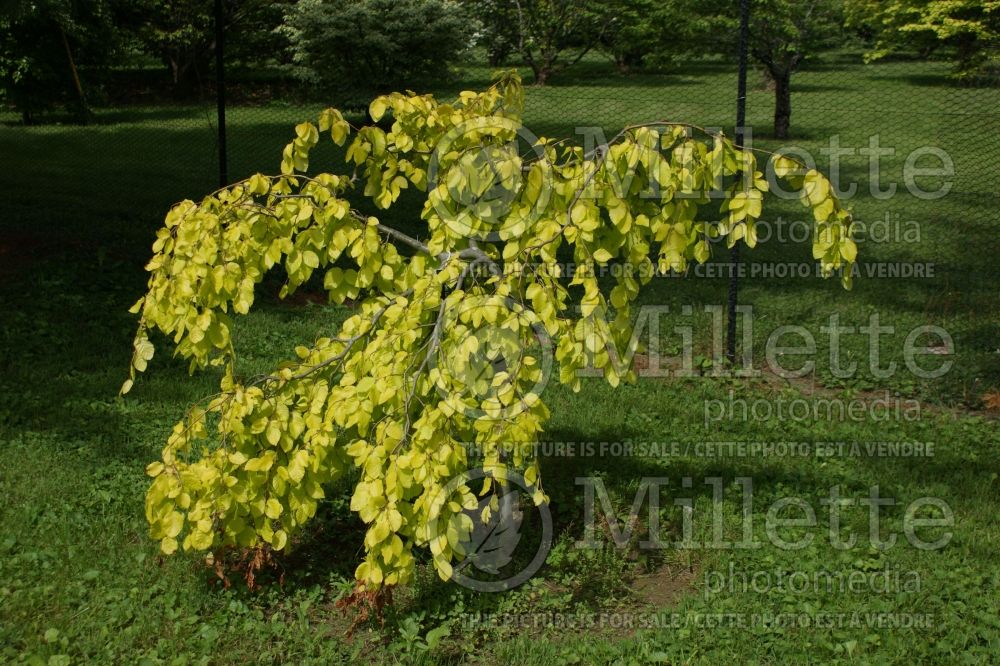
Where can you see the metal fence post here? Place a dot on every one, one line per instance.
(220, 92)
(741, 117)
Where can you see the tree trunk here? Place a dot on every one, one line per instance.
(782, 104)
(629, 61)
(497, 56)
(174, 66)
(544, 65)
(82, 111)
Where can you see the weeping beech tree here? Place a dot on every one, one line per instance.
(446, 343)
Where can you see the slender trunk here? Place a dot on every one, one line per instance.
(542, 73)
(498, 55)
(83, 112)
(545, 65)
(782, 104)
(621, 64)
(628, 61)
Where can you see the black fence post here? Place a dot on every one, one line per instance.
(220, 92)
(741, 118)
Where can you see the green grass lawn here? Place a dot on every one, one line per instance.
(81, 581)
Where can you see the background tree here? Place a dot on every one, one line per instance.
(635, 30)
(640, 33)
(551, 35)
(494, 30)
(373, 45)
(253, 35)
(970, 27)
(633, 33)
(181, 33)
(882, 22)
(44, 45)
(783, 34)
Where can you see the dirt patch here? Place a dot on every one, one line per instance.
(810, 387)
(302, 298)
(19, 251)
(666, 586)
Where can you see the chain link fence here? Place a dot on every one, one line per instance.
(881, 123)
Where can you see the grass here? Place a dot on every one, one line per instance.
(81, 581)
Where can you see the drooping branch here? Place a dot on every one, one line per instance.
(412, 375)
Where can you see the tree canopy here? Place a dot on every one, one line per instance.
(375, 45)
(970, 27)
(456, 328)
(42, 45)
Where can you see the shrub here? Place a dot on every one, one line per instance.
(375, 44)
